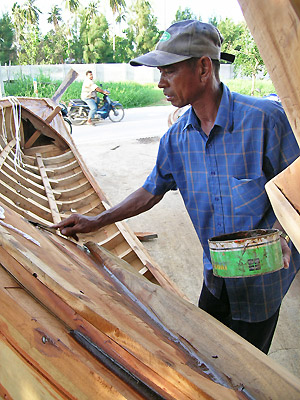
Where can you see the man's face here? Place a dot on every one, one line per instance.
(180, 83)
(90, 76)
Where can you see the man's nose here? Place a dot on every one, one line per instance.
(162, 82)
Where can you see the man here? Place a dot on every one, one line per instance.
(219, 154)
(89, 95)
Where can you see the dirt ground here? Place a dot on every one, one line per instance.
(120, 156)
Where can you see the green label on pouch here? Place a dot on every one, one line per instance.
(165, 36)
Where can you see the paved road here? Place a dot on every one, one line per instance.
(137, 123)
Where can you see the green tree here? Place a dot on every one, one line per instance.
(94, 36)
(232, 33)
(7, 52)
(124, 49)
(55, 17)
(142, 27)
(27, 34)
(30, 53)
(214, 20)
(182, 15)
(19, 25)
(55, 46)
(248, 59)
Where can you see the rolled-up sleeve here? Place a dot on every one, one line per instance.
(160, 179)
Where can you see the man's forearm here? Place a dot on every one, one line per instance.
(135, 204)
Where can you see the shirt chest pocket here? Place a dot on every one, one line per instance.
(249, 196)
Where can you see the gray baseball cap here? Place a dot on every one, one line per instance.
(183, 40)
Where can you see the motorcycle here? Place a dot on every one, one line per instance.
(64, 111)
(78, 111)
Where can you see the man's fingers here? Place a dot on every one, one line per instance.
(286, 253)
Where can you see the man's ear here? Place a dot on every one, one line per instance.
(204, 68)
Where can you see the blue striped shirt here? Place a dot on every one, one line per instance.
(221, 178)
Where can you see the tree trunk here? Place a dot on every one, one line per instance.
(253, 83)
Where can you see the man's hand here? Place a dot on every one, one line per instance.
(286, 252)
(77, 223)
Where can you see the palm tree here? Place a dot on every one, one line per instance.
(18, 21)
(54, 17)
(31, 12)
(72, 5)
(116, 6)
(92, 9)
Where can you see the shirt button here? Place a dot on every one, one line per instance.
(217, 198)
(213, 173)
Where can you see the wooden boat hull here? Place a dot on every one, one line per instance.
(49, 180)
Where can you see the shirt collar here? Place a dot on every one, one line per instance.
(224, 116)
(225, 112)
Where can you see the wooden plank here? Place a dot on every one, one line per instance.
(276, 31)
(24, 213)
(51, 199)
(25, 181)
(69, 193)
(70, 77)
(35, 347)
(66, 181)
(284, 194)
(32, 139)
(24, 202)
(27, 192)
(142, 363)
(24, 172)
(56, 306)
(80, 202)
(142, 318)
(7, 149)
(53, 114)
(71, 166)
(59, 159)
(146, 236)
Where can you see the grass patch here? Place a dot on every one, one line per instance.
(243, 86)
(129, 94)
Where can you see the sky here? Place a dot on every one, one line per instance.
(164, 10)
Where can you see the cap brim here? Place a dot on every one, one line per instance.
(157, 58)
(227, 57)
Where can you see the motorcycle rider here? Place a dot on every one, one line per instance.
(89, 95)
